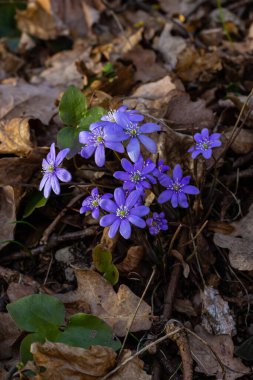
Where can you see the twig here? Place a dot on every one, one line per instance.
(136, 310)
(144, 349)
(182, 342)
(52, 226)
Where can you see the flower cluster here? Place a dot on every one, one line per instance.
(121, 130)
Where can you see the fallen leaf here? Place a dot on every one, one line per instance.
(184, 306)
(21, 99)
(193, 64)
(169, 46)
(63, 362)
(7, 214)
(180, 7)
(133, 370)
(116, 309)
(9, 63)
(18, 290)
(216, 315)
(243, 143)
(8, 335)
(223, 347)
(15, 137)
(132, 260)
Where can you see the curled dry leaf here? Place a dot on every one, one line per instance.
(243, 143)
(63, 362)
(223, 347)
(132, 259)
(216, 315)
(8, 335)
(7, 214)
(15, 137)
(116, 309)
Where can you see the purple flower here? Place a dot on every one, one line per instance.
(205, 143)
(136, 176)
(97, 139)
(114, 116)
(123, 213)
(177, 187)
(157, 223)
(52, 172)
(137, 134)
(161, 168)
(92, 203)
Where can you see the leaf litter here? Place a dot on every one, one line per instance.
(186, 66)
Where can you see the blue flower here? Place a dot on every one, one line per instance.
(123, 213)
(136, 176)
(52, 173)
(97, 139)
(114, 116)
(157, 223)
(137, 134)
(161, 168)
(205, 143)
(177, 187)
(92, 203)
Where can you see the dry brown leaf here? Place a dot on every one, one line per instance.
(169, 46)
(223, 347)
(132, 370)
(20, 99)
(106, 241)
(15, 137)
(7, 214)
(180, 7)
(116, 309)
(193, 64)
(8, 335)
(243, 143)
(132, 259)
(63, 362)
(184, 306)
(216, 315)
(9, 63)
(18, 290)
(195, 115)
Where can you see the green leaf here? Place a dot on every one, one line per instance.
(112, 274)
(102, 258)
(68, 137)
(37, 313)
(84, 330)
(94, 114)
(245, 350)
(25, 346)
(73, 106)
(36, 200)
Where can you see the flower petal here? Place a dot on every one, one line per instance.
(132, 198)
(43, 181)
(207, 153)
(165, 196)
(177, 173)
(87, 151)
(47, 188)
(114, 133)
(126, 165)
(122, 176)
(52, 152)
(137, 221)
(61, 155)
(107, 220)
(205, 133)
(108, 205)
(55, 184)
(119, 196)
(63, 175)
(125, 229)
(189, 189)
(114, 228)
(215, 143)
(140, 211)
(195, 153)
(182, 200)
(117, 146)
(149, 144)
(174, 200)
(134, 149)
(100, 155)
(95, 213)
(84, 137)
(94, 191)
(149, 128)
(165, 180)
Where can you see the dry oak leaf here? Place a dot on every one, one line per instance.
(116, 309)
(15, 137)
(223, 347)
(132, 259)
(63, 362)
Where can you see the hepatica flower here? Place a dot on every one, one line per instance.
(123, 213)
(136, 176)
(114, 116)
(97, 139)
(92, 203)
(205, 143)
(52, 173)
(157, 223)
(160, 169)
(177, 188)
